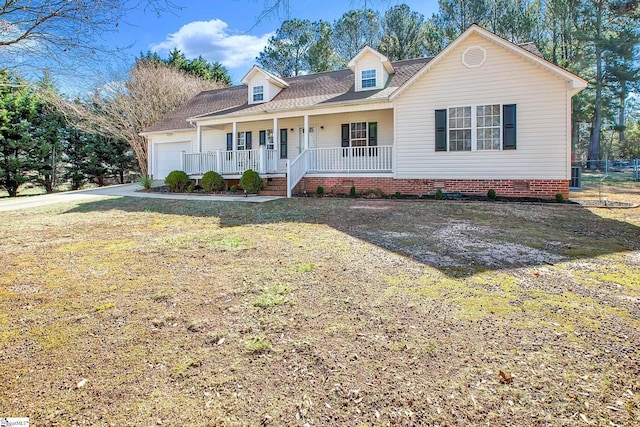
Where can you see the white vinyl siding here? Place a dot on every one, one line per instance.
(504, 78)
(330, 137)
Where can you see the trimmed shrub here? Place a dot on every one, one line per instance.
(212, 181)
(177, 181)
(251, 181)
(439, 194)
(191, 188)
(319, 191)
(233, 189)
(398, 195)
(352, 192)
(491, 194)
(559, 198)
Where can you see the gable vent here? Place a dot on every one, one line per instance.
(474, 57)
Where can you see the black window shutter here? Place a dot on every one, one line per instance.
(509, 127)
(345, 135)
(283, 143)
(248, 140)
(441, 130)
(373, 133)
(263, 137)
(229, 142)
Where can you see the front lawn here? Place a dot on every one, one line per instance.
(320, 311)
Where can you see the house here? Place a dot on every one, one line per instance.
(484, 113)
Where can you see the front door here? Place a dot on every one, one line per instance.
(313, 142)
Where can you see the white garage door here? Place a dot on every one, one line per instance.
(168, 157)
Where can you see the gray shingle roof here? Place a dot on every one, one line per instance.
(531, 48)
(303, 91)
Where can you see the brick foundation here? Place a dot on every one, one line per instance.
(537, 188)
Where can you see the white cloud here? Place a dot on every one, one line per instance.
(215, 42)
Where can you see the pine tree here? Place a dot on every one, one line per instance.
(403, 33)
(18, 150)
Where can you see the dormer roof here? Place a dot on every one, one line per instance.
(383, 59)
(272, 78)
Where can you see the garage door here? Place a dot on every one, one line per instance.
(168, 157)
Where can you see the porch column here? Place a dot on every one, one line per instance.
(234, 136)
(199, 138)
(149, 159)
(276, 146)
(262, 160)
(276, 136)
(306, 131)
(219, 161)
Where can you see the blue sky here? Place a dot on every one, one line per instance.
(226, 30)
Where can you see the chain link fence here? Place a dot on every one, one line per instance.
(613, 171)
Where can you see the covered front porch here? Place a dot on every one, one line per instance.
(294, 146)
(313, 160)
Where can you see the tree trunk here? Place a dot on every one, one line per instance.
(594, 146)
(621, 112)
(575, 137)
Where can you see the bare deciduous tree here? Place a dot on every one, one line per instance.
(37, 34)
(124, 109)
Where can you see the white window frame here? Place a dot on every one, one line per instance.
(369, 78)
(242, 141)
(474, 127)
(366, 134)
(269, 139)
(450, 129)
(258, 91)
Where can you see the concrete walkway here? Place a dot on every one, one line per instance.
(16, 203)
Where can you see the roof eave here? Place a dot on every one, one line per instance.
(307, 107)
(155, 132)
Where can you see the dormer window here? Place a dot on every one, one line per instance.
(368, 78)
(262, 86)
(258, 93)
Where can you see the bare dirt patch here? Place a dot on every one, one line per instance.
(320, 312)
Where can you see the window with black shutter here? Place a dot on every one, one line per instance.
(345, 139)
(229, 142)
(441, 130)
(283, 143)
(509, 127)
(373, 138)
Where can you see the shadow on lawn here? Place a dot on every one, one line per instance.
(460, 239)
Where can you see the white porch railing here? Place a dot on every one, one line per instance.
(296, 169)
(231, 162)
(198, 163)
(236, 162)
(351, 159)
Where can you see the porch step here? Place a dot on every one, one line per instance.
(274, 187)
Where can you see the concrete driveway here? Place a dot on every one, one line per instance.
(16, 203)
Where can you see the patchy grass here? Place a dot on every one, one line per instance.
(272, 296)
(321, 311)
